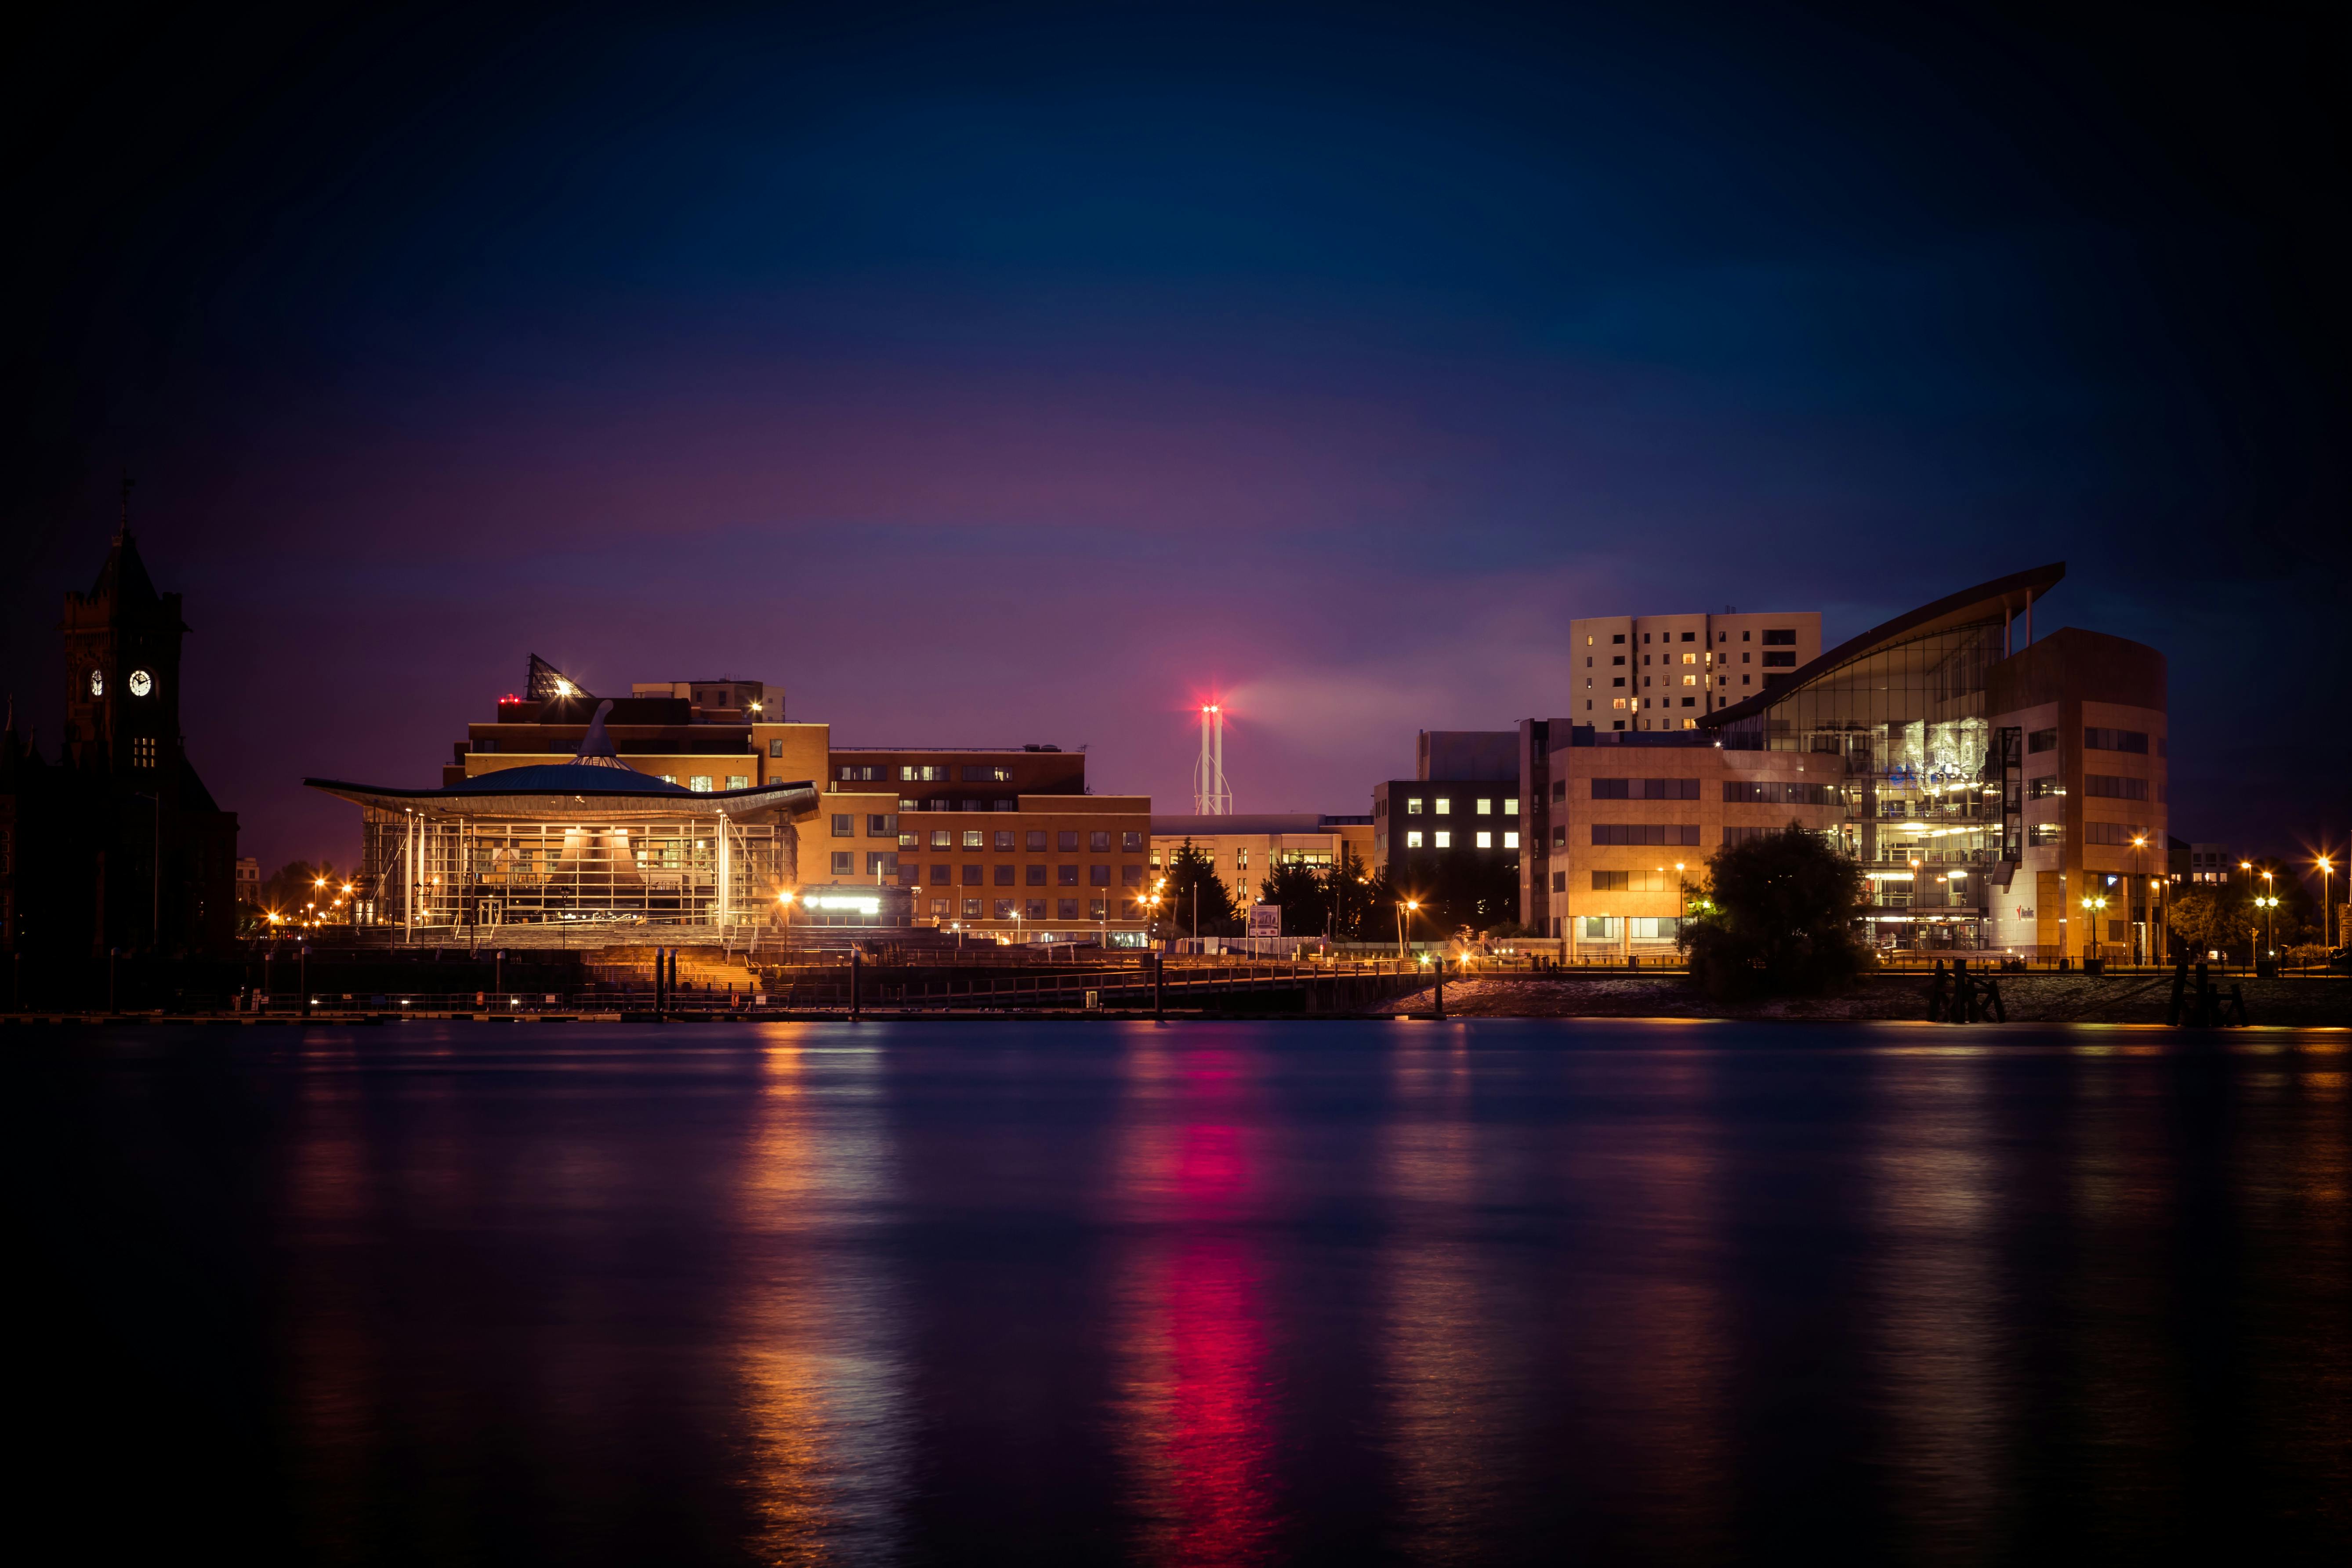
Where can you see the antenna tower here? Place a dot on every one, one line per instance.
(1210, 795)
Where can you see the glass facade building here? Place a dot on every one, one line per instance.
(1927, 786)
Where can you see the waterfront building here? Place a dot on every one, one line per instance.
(116, 846)
(996, 840)
(1988, 782)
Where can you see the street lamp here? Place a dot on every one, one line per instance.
(2266, 904)
(2093, 903)
(1405, 909)
(2326, 903)
(784, 903)
(1682, 899)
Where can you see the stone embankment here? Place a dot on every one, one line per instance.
(2039, 997)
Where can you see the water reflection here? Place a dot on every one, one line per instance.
(1194, 1401)
(817, 1324)
(1215, 1294)
(1937, 1312)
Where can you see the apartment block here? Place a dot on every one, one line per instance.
(1638, 673)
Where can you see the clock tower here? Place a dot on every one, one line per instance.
(122, 849)
(123, 674)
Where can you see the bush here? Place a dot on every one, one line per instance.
(1779, 919)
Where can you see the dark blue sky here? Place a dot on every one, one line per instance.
(991, 376)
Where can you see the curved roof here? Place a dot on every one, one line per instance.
(496, 794)
(1969, 607)
(595, 782)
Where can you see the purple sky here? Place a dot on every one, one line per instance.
(1024, 377)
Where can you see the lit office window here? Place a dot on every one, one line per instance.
(1485, 841)
(1445, 806)
(1412, 840)
(1510, 841)
(1412, 806)
(1486, 808)
(699, 784)
(1444, 839)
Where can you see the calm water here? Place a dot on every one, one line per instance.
(1201, 1293)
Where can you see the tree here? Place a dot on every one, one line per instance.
(1190, 870)
(2197, 920)
(1303, 894)
(1360, 899)
(1780, 918)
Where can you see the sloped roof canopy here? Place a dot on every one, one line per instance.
(596, 783)
(1972, 606)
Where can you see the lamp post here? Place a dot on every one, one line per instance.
(1405, 909)
(2266, 903)
(2140, 843)
(2327, 904)
(2093, 904)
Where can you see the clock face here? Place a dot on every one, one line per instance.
(98, 683)
(141, 683)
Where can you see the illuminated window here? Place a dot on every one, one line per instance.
(1445, 806)
(1486, 808)
(142, 752)
(942, 837)
(1485, 841)
(1510, 841)
(1510, 809)
(971, 908)
(1412, 806)
(699, 784)
(1412, 840)
(975, 838)
(1444, 839)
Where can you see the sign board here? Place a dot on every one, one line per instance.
(1266, 920)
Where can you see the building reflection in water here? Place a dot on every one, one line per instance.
(817, 1318)
(1193, 1404)
(1936, 1314)
(1554, 1325)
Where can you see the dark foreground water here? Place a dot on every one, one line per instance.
(1202, 1293)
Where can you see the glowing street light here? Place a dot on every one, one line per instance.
(2327, 902)
(2092, 904)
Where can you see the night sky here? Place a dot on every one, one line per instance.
(990, 377)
